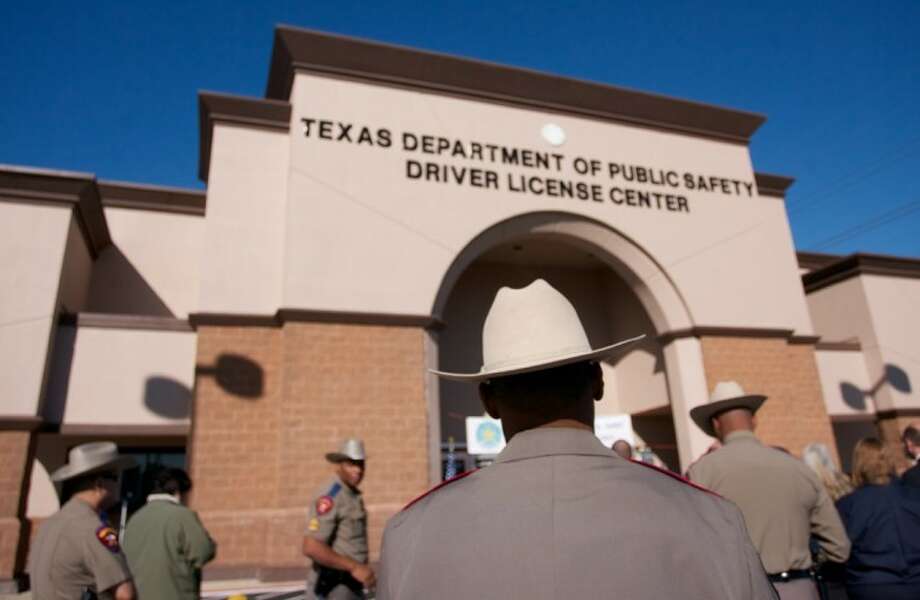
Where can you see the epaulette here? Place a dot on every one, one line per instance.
(674, 475)
(439, 486)
(336, 487)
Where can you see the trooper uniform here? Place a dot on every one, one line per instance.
(337, 518)
(75, 550)
(558, 514)
(782, 500)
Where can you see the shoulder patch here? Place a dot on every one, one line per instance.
(674, 475)
(439, 486)
(324, 504)
(108, 538)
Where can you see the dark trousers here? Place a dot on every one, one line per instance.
(895, 591)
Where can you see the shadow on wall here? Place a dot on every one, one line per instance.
(117, 287)
(237, 375)
(855, 398)
(168, 397)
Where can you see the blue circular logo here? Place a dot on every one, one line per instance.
(489, 435)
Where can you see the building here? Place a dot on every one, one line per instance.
(357, 221)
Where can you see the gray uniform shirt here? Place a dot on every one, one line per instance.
(560, 516)
(74, 550)
(337, 518)
(782, 500)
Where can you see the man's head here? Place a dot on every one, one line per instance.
(100, 489)
(172, 481)
(544, 397)
(351, 472)
(622, 448)
(736, 419)
(911, 439)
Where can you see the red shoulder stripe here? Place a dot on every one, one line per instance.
(674, 475)
(440, 485)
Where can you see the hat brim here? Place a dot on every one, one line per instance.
(66, 472)
(337, 457)
(539, 365)
(702, 415)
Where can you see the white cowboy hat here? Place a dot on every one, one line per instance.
(530, 329)
(726, 396)
(351, 449)
(91, 457)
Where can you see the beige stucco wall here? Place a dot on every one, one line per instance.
(362, 237)
(76, 272)
(844, 380)
(893, 304)
(33, 239)
(242, 256)
(153, 266)
(841, 312)
(124, 377)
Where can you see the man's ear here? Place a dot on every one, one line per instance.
(597, 388)
(487, 397)
(717, 427)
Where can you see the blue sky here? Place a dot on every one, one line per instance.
(110, 87)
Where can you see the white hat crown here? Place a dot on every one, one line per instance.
(531, 323)
(92, 456)
(725, 390)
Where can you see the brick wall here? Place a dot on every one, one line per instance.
(14, 463)
(257, 456)
(794, 414)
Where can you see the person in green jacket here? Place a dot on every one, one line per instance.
(166, 543)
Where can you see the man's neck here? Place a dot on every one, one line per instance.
(570, 423)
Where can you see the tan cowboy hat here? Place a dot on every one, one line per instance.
(351, 449)
(530, 329)
(726, 396)
(91, 457)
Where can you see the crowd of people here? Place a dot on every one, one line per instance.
(557, 514)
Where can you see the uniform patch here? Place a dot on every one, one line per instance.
(324, 504)
(108, 538)
(313, 525)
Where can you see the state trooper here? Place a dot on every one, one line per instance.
(559, 515)
(76, 552)
(336, 535)
(783, 501)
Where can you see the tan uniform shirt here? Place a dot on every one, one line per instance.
(337, 518)
(782, 500)
(74, 550)
(558, 515)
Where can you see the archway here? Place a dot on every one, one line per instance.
(619, 291)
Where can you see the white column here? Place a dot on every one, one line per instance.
(683, 358)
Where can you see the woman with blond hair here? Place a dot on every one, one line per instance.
(818, 457)
(882, 519)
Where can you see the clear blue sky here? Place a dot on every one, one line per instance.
(110, 87)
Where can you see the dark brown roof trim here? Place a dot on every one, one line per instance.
(804, 339)
(237, 110)
(302, 49)
(79, 190)
(120, 321)
(860, 264)
(20, 423)
(815, 260)
(773, 185)
(705, 331)
(118, 194)
(286, 315)
(844, 346)
(857, 418)
(294, 315)
(180, 430)
(894, 413)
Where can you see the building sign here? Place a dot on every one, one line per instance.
(488, 166)
(484, 436)
(610, 428)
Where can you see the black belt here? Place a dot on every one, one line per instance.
(790, 575)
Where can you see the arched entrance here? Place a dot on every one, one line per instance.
(618, 290)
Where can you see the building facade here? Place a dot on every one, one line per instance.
(356, 224)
